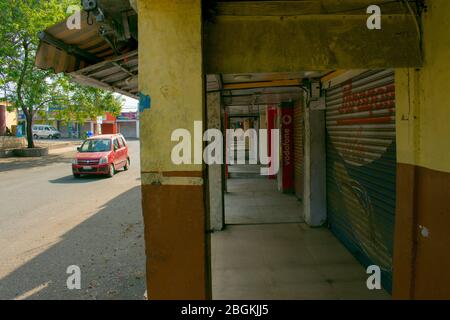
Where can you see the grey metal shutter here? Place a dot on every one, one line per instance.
(361, 167)
(128, 129)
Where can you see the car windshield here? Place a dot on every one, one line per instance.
(96, 145)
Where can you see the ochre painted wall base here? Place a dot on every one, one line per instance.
(176, 242)
(422, 242)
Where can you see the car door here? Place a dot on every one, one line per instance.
(40, 131)
(123, 154)
(117, 153)
(125, 149)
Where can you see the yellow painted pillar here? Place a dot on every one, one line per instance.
(171, 79)
(422, 239)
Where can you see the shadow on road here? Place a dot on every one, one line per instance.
(109, 249)
(83, 179)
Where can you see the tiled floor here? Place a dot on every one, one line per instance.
(254, 201)
(280, 261)
(244, 171)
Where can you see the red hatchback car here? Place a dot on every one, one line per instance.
(101, 155)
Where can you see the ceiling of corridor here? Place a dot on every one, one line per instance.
(254, 89)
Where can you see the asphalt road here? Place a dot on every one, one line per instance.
(50, 221)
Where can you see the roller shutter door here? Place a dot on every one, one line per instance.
(298, 149)
(128, 129)
(361, 167)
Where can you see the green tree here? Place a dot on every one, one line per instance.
(33, 90)
(79, 103)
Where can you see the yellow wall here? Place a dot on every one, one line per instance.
(170, 72)
(11, 119)
(171, 76)
(257, 37)
(421, 259)
(423, 97)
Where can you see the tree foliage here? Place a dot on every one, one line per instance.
(33, 90)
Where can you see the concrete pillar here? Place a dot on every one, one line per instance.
(137, 128)
(314, 198)
(421, 260)
(215, 182)
(171, 85)
(271, 118)
(263, 119)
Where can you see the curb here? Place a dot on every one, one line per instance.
(6, 153)
(35, 152)
(61, 145)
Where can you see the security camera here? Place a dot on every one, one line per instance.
(89, 5)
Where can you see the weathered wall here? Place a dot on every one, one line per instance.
(170, 63)
(11, 142)
(248, 37)
(422, 241)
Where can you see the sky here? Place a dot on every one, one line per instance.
(130, 105)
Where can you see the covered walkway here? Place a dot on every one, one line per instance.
(278, 256)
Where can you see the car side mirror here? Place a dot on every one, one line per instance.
(78, 149)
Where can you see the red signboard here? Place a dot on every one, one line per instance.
(287, 147)
(127, 116)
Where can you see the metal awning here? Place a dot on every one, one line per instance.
(90, 57)
(119, 74)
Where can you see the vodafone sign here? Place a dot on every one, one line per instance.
(287, 144)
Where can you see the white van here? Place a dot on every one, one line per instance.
(45, 131)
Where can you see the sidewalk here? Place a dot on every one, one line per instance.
(58, 143)
(270, 253)
(60, 153)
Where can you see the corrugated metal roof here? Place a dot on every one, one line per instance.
(118, 74)
(86, 56)
(87, 38)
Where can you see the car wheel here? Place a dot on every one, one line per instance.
(127, 165)
(77, 175)
(35, 136)
(50, 137)
(112, 171)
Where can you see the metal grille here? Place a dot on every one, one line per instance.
(361, 167)
(88, 162)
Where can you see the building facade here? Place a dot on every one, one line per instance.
(374, 141)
